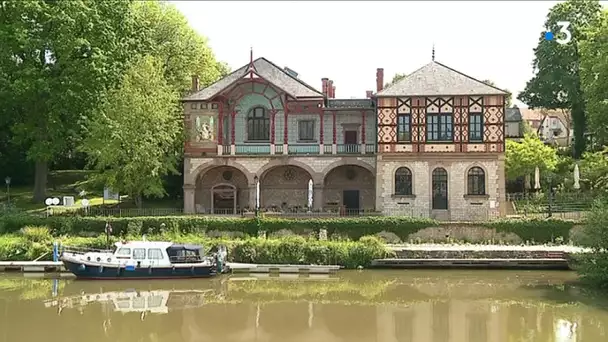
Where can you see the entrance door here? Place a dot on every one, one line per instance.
(350, 199)
(440, 189)
(351, 143)
(224, 199)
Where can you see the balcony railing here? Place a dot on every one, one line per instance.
(297, 149)
(349, 148)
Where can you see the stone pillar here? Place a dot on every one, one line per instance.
(189, 207)
(501, 196)
(252, 197)
(317, 196)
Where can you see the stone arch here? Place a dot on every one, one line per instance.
(316, 177)
(285, 187)
(221, 190)
(191, 177)
(349, 161)
(352, 186)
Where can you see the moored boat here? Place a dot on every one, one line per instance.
(144, 260)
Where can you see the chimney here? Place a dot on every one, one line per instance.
(333, 92)
(330, 89)
(324, 89)
(369, 94)
(379, 79)
(195, 83)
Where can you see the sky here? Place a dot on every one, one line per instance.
(347, 41)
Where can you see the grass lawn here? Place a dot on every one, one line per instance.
(71, 183)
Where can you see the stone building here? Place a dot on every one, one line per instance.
(431, 144)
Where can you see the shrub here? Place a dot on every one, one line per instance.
(593, 267)
(287, 250)
(338, 228)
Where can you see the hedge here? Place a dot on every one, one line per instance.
(32, 242)
(537, 230)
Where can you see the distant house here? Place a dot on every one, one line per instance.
(513, 123)
(553, 125)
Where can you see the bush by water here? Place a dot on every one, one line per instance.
(33, 241)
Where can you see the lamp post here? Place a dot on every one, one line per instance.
(256, 180)
(7, 180)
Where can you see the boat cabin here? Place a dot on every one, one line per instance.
(157, 253)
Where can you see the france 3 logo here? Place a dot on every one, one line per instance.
(563, 37)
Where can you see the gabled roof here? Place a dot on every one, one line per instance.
(513, 114)
(436, 79)
(266, 70)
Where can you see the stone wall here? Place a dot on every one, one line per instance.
(460, 205)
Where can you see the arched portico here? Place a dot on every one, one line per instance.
(284, 187)
(221, 190)
(351, 187)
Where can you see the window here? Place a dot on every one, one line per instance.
(306, 130)
(403, 181)
(475, 127)
(476, 181)
(403, 128)
(124, 251)
(139, 253)
(155, 254)
(258, 125)
(439, 127)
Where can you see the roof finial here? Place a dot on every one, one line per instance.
(433, 55)
(251, 55)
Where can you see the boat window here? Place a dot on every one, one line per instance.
(124, 251)
(155, 254)
(155, 301)
(123, 304)
(139, 253)
(139, 302)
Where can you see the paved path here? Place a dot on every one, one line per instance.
(447, 247)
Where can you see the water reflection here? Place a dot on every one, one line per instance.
(420, 306)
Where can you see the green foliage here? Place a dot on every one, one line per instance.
(289, 250)
(593, 267)
(131, 138)
(523, 157)
(594, 170)
(537, 230)
(557, 81)
(398, 77)
(594, 77)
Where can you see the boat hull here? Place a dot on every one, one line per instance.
(92, 271)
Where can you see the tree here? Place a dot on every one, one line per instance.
(508, 98)
(57, 59)
(131, 138)
(163, 32)
(522, 158)
(594, 170)
(594, 77)
(593, 267)
(398, 77)
(557, 83)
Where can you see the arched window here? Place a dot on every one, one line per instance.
(403, 181)
(439, 183)
(258, 124)
(476, 181)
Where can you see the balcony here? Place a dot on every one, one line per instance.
(257, 149)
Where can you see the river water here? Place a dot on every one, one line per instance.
(369, 306)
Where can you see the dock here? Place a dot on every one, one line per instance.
(233, 267)
(519, 264)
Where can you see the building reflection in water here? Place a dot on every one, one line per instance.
(233, 316)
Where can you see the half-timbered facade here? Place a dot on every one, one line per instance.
(263, 125)
(429, 145)
(440, 145)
